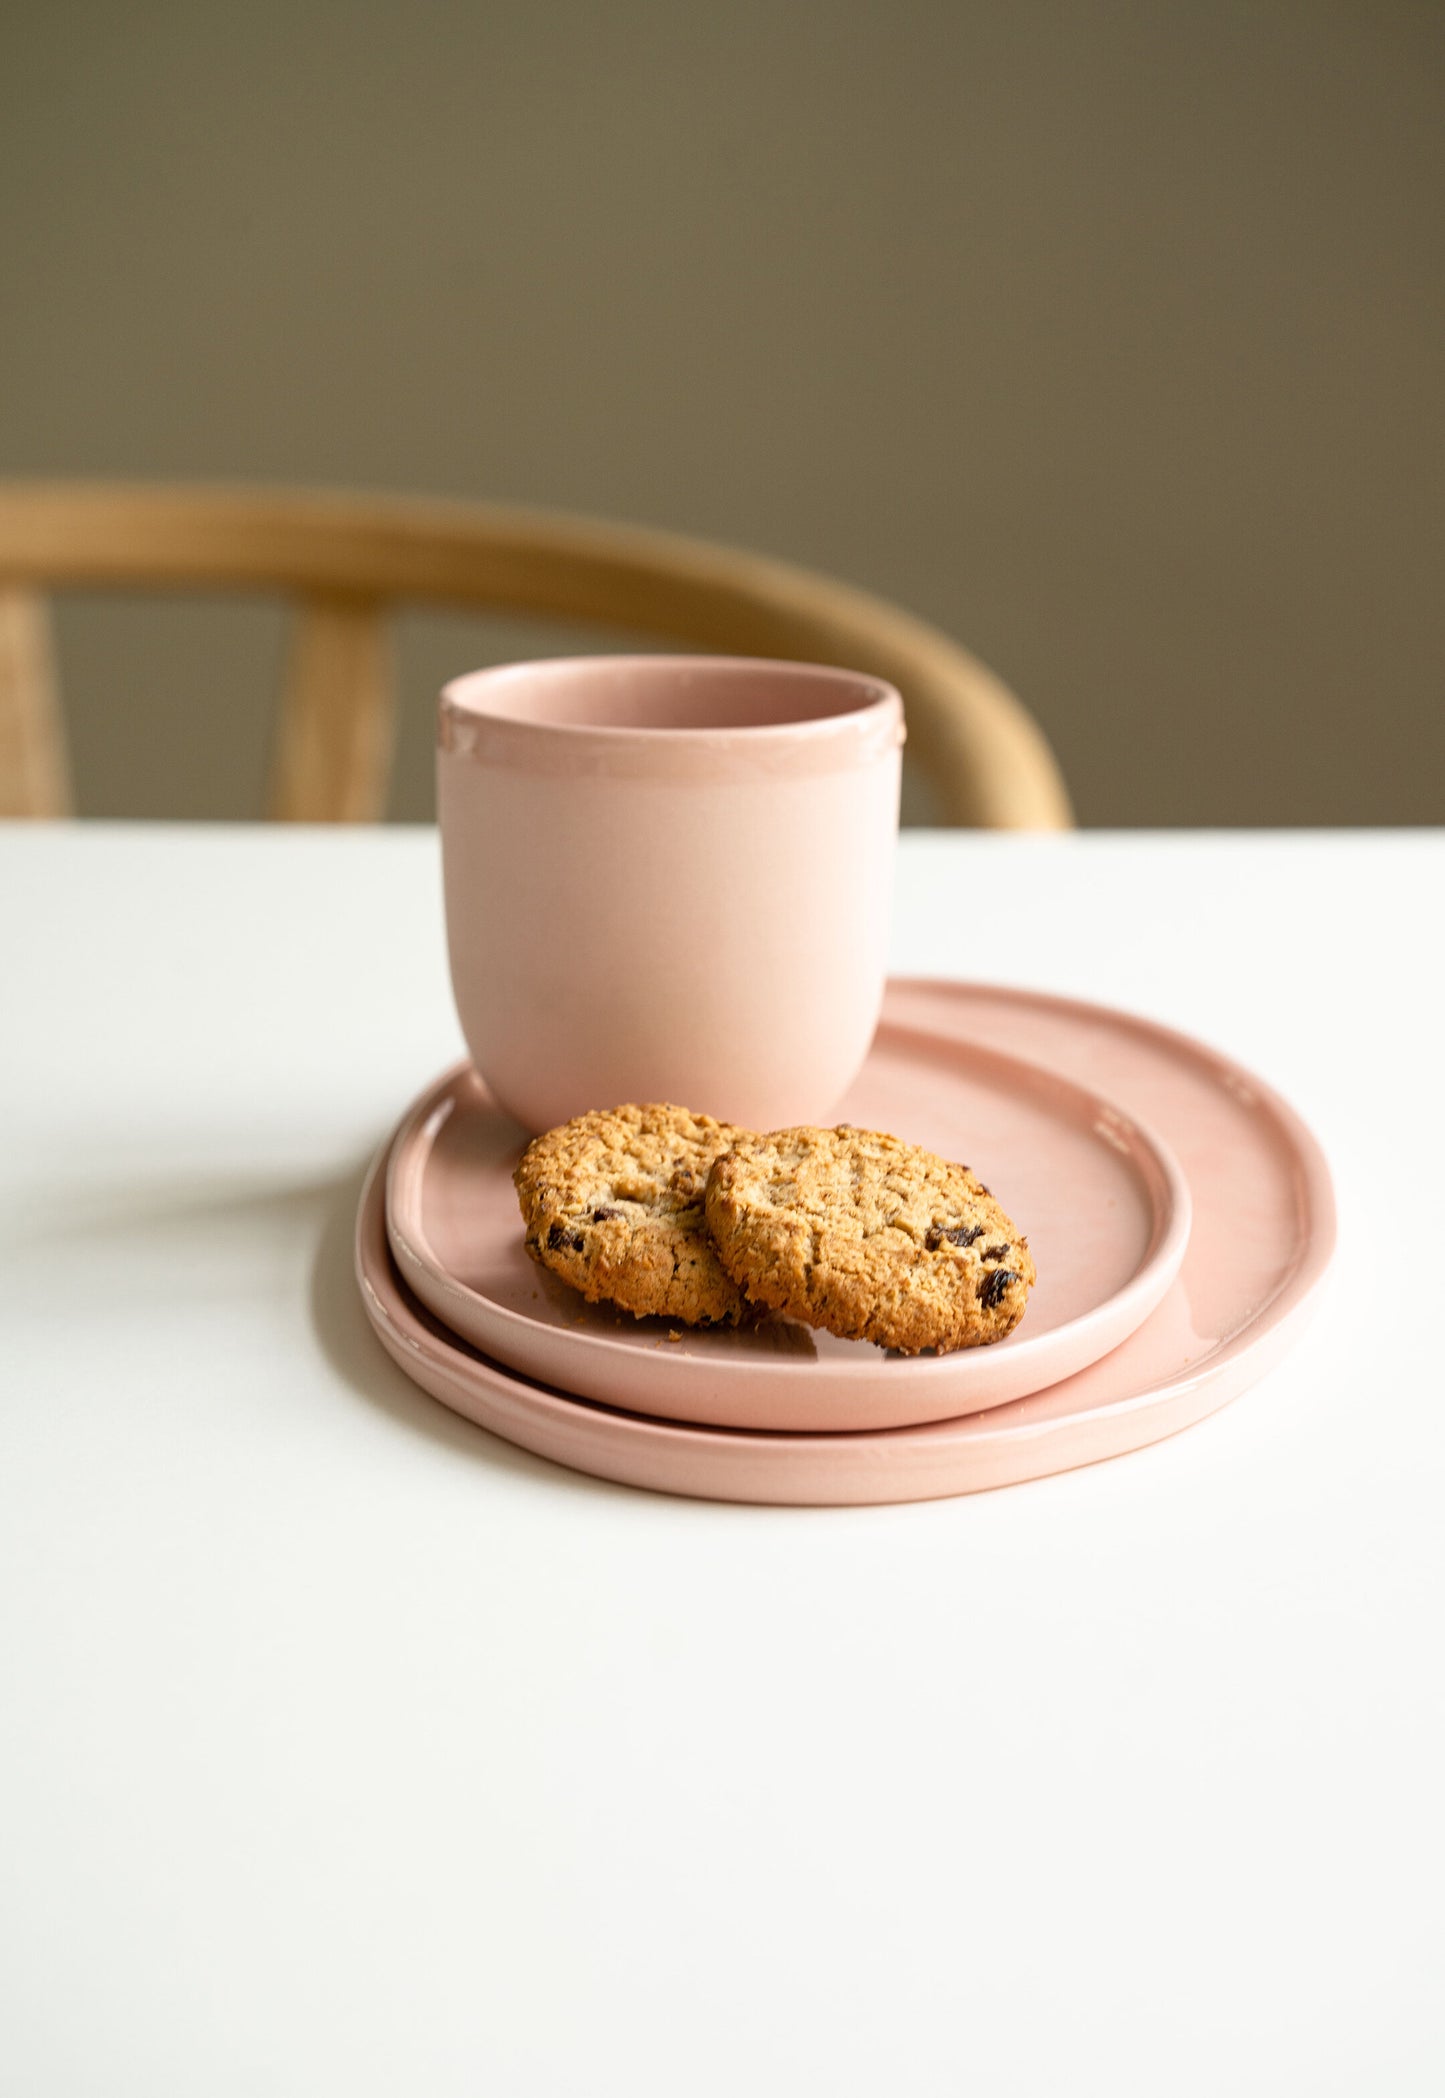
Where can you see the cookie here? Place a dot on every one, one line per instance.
(612, 1203)
(868, 1237)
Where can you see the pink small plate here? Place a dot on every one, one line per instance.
(1105, 1207)
(1264, 1230)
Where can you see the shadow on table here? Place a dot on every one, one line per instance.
(137, 1240)
(357, 1356)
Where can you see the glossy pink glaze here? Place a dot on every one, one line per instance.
(1262, 1237)
(1106, 1212)
(668, 878)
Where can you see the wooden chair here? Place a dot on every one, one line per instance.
(346, 561)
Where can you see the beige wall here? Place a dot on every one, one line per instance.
(1108, 337)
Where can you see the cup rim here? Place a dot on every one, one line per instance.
(466, 723)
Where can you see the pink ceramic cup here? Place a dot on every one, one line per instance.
(668, 878)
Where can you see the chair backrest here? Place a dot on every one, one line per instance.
(346, 561)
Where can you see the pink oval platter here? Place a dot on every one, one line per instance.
(1106, 1209)
(1262, 1236)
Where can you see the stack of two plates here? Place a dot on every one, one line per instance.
(1179, 1213)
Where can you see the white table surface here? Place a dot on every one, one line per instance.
(346, 1749)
